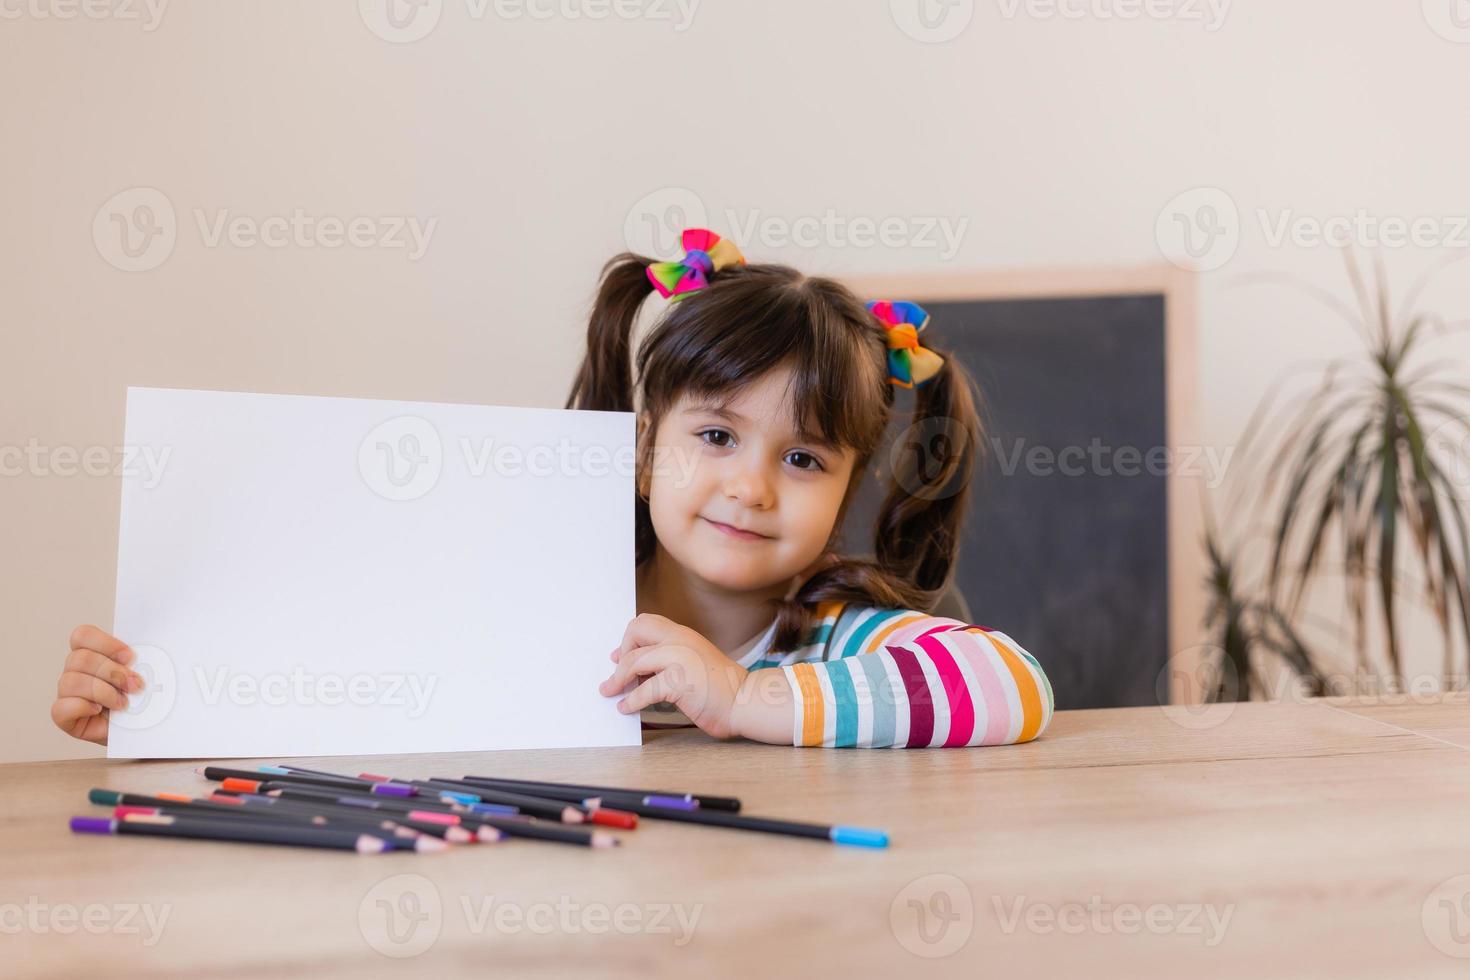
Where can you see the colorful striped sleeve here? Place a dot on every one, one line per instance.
(904, 679)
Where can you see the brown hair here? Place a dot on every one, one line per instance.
(750, 320)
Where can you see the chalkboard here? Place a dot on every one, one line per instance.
(1066, 542)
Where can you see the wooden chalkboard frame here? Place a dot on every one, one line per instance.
(1178, 288)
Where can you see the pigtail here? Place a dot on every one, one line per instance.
(605, 380)
(917, 536)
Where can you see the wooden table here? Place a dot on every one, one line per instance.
(1259, 840)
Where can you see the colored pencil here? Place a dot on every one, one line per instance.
(704, 800)
(221, 773)
(593, 801)
(254, 832)
(837, 834)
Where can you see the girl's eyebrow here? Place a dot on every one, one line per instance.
(719, 410)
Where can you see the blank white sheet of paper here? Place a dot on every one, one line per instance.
(338, 576)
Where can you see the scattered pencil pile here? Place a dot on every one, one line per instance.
(370, 814)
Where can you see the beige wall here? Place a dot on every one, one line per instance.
(531, 143)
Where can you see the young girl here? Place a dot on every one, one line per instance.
(762, 395)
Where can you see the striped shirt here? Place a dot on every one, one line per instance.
(878, 678)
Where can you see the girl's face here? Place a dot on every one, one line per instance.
(723, 469)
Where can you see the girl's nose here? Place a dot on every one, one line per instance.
(750, 486)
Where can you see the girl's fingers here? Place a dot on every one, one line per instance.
(657, 688)
(92, 638)
(114, 673)
(635, 663)
(80, 718)
(648, 629)
(74, 684)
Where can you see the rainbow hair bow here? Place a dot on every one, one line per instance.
(705, 253)
(909, 364)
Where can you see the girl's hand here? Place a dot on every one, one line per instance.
(680, 666)
(94, 679)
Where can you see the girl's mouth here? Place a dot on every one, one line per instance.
(735, 532)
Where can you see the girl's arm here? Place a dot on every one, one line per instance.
(902, 679)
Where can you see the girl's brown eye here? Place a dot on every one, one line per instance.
(716, 434)
(808, 456)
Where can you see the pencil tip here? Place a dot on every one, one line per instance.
(426, 844)
(367, 844)
(571, 815)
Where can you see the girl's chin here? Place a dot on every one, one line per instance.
(735, 576)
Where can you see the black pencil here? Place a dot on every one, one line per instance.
(593, 801)
(705, 800)
(837, 834)
(222, 774)
(253, 832)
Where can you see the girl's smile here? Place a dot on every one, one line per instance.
(735, 532)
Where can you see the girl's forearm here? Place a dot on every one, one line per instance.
(763, 708)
